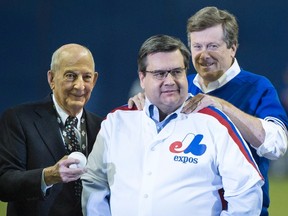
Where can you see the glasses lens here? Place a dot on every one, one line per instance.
(162, 74)
(176, 72)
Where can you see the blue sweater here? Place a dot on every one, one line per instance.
(255, 95)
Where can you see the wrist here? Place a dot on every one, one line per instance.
(48, 176)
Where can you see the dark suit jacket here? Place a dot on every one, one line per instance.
(30, 140)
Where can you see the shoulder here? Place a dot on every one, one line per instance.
(247, 76)
(93, 116)
(28, 115)
(29, 108)
(217, 116)
(122, 112)
(123, 109)
(222, 120)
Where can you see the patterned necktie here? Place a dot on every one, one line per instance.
(72, 144)
(71, 140)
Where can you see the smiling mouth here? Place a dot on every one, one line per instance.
(170, 91)
(206, 64)
(77, 96)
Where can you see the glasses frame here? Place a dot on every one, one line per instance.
(157, 73)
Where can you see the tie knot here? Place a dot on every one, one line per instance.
(71, 121)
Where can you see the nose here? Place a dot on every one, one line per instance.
(204, 53)
(79, 83)
(169, 79)
(203, 56)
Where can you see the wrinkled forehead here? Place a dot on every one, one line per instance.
(211, 34)
(73, 57)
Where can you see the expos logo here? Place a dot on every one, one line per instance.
(190, 144)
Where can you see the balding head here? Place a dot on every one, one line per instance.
(71, 53)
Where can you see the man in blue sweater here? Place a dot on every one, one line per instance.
(250, 100)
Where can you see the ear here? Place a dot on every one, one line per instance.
(233, 50)
(141, 78)
(50, 78)
(95, 78)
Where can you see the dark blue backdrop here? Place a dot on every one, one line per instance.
(114, 30)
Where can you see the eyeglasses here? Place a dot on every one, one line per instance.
(162, 74)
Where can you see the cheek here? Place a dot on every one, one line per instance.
(52, 85)
(195, 57)
(218, 55)
(146, 83)
(60, 85)
(89, 86)
(152, 89)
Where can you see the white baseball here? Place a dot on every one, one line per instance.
(79, 156)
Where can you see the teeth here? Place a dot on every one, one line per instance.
(207, 64)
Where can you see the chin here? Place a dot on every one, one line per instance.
(77, 104)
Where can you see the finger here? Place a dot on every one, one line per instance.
(204, 102)
(67, 162)
(71, 174)
(141, 100)
(130, 103)
(191, 104)
(141, 96)
(189, 107)
(137, 100)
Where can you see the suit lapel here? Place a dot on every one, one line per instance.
(48, 128)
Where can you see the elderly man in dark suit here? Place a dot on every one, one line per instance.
(35, 178)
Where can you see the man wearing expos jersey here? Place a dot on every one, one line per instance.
(248, 99)
(160, 161)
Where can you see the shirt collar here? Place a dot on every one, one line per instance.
(233, 71)
(152, 111)
(62, 114)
